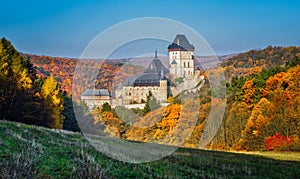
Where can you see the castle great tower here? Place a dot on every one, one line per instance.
(181, 57)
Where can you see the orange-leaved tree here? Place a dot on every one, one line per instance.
(253, 136)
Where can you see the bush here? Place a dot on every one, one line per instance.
(106, 107)
(279, 142)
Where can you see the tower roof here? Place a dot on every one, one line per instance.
(181, 43)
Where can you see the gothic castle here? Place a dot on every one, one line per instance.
(134, 90)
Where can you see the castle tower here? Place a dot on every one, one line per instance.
(181, 57)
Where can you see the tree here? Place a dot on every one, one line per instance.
(248, 92)
(70, 122)
(105, 107)
(18, 101)
(14, 79)
(235, 122)
(126, 115)
(147, 106)
(253, 136)
(151, 104)
(170, 99)
(51, 93)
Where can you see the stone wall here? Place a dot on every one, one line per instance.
(130, 94)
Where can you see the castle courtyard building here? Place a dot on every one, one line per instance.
(95, 97)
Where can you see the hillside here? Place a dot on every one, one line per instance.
(267, 57)
(254, 61)
(262, 113)
(242, 64)
(254, 78)
(29, 152)
(63, 68)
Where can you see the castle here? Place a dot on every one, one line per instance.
(134, 90)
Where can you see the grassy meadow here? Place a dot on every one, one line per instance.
(35, 152)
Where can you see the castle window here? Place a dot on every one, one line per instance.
(183, 64)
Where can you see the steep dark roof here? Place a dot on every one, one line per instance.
(95, 92)
(151, 76)
(129, 80)
(149, 79)
(181, 43)
(155, 67)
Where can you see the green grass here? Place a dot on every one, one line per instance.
(27, 151)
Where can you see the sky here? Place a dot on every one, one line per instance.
(65, 27)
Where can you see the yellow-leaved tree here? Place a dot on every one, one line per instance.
(51, 93)
(15, 83)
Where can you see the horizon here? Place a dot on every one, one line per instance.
(64, 29)
(150, 55)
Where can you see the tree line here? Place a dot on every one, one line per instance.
(25, 97)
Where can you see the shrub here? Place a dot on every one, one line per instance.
(279, 142)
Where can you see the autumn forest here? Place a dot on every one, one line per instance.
(262, 97)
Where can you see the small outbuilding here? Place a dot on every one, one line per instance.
(95, 97)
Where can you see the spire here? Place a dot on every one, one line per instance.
(156, 54)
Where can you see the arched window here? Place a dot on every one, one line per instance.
(188, 64)
(183, 64)
(129, 94)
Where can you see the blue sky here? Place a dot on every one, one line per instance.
(65, 28)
